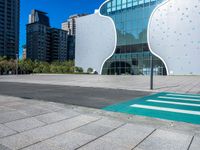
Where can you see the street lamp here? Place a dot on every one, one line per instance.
(17, 56)
(151, 78)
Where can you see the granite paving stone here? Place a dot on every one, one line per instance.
(56, 116)
(5, 131)
(99, 127)
(95, 130)
(51, 106)
(27, 138)
(43, 146)
(109, 122)
(102, 145)
(68, 112)
(165, 140)
(24, 124)
(5, 109)
(128, 135)
(11, 116)
(70, 140)
(2, 147)
(195, 145)
(34, 110)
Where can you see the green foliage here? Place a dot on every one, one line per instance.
(89, 70)
(7, 65)
(29, 66)
(78, 70)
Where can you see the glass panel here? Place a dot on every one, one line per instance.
(132, 55)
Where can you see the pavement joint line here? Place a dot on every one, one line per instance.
(55, 121)
(25, 117)
(30, 116)
(10, 129)
(39, 126)
(45, 124)
(100, 136)
(190, 143)
(61, 133)
(144, 139)
(195, 85)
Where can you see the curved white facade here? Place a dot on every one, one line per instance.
(174, 36)
(95, 41)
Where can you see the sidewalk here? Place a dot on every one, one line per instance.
(179, 84)
(37, 125)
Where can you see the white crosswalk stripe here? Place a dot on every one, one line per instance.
(166, 109)
(183, 95)
(175, 103)
(178, 98)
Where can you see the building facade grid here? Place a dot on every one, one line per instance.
(132, 55)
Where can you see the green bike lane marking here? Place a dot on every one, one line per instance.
(169, 106)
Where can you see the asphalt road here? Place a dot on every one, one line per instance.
(81, 96)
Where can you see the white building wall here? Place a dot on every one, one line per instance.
(95, 41)
(174, 36)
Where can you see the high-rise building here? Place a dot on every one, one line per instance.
(38, 42)
(43, 42)
(71, 47)
(9, 28)
(38, 36)
(70, 24)
(24, 55)
(59, 39)
(37, 16)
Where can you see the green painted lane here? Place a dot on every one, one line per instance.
(169, 106)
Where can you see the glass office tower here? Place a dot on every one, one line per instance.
(9, 28)
(132, 55)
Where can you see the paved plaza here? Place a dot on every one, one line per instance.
(180, 84)
(36, 125)
(63, 112)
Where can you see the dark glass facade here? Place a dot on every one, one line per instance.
(59, 39)
(132, 55)
(43, 42)
(9, 28)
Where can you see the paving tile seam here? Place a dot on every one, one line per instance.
(144, 139)
(100, 136)
(193, 87)
(10, 129)
(46, 124)
(30, 116)
(191, 141)
(60, 134)
(24, 118)
(58, 120)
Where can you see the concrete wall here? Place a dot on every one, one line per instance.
(95, 41)
(174, 36)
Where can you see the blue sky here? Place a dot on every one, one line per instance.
(58, 11)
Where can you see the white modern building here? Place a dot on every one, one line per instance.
(70, 24)
(122, 35)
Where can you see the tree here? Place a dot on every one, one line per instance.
(89, 70)
(53, 68)
(26, 66)
(78, 70)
